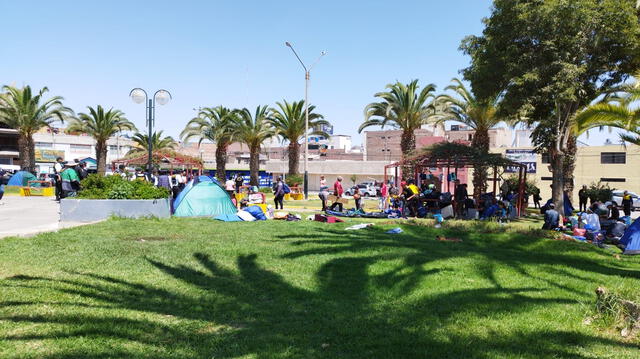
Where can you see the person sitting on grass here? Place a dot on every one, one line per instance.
(551, 218)
(254, 197)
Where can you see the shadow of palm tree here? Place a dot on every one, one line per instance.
(250, 311)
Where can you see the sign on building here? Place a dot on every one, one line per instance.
(526, 157)
(48, 155)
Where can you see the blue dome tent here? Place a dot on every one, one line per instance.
(21, 178)
(203, 197)
(631, 238)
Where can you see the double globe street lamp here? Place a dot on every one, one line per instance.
(162, 97)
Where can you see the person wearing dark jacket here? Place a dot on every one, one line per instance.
(614, 213)
(81, 170)
(278, 191)
(583, 197)
(626, 203)
(551, 218)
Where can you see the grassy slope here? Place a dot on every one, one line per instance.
(302, 290)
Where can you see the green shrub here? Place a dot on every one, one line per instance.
(266, 190)
(116, 187)
(530, 187)
(599, 192)
(294, 180)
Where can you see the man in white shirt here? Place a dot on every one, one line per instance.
(57, 168)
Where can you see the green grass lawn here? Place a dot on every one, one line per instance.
(196, 288)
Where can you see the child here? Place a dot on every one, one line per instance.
(357, 198)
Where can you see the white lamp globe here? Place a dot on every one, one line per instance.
(138, 95)
(162, 97)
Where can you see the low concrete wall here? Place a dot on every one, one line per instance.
(91, 210)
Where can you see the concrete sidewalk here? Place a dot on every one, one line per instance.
(27, 216)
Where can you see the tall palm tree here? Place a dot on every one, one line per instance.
(481, 115)
(404, 107)
(101, 125)
(288, 120)
(617, 109)
(27, 112)
(253, 130)
(158, 143)
(218, 125)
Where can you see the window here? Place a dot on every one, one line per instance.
(44, 145)
(470, 137)
(547, 178)
(113, 148)
(613, 157)
(606, 179)
(546, 158)
(5, 161)
(81, 148)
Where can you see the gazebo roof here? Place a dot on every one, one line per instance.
(170, 158)
(454, 154)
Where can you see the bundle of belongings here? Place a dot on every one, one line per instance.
(247, 214)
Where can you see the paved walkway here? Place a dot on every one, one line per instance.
(27, 216)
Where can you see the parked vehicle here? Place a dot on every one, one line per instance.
(366, 190)
(616, 197)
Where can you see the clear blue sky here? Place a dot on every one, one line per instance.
(208, 53)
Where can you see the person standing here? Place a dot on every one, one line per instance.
(460, 195)
(384, 194)
(3, 181)
(58, 167)
(239, 182)
(536, 199)
(81, 170)
(278, 191)
(70, 180)
(164, 181)
(324, 193)
(230, 186)
(337, 191)
(583, 197)
(357, 198)
(626, 203)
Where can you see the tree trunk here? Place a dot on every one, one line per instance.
(294, 158)
(480, 172)
(27, 150)
(570, 164)
(101, 154)
(221, 161)
(254, 166)
(557, 184)
(407, 146)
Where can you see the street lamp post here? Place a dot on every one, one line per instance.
(306, 114)
(162, 97)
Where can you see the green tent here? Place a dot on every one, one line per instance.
(203, 199)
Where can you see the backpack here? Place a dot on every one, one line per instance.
(286, 188)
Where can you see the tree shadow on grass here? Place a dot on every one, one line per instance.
(253, 312)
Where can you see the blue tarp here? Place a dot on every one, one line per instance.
(228, 218)
(631, 238)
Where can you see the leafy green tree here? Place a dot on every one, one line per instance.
(26, 112)
(288, 120)
(218, 125)
(480, 115)
(405, 107)
(159, 143)
(101, 125)
(253, 129)
(549, 59)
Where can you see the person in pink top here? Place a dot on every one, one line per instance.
(337, 191)
(384, 194)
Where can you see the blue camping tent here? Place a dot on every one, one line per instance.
(203, 197)
(631, 238)
(21, 178)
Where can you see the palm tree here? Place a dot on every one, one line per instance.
(21, 110)
(253, 130)
(101, 125)
(158, 143)
(615, 110)
(218, 125)
(402, 107)
(288, 120)
(480, 115)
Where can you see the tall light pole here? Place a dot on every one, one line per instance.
(306, 114)
(162, 97)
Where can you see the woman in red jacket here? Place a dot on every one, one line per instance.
(337, 191)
